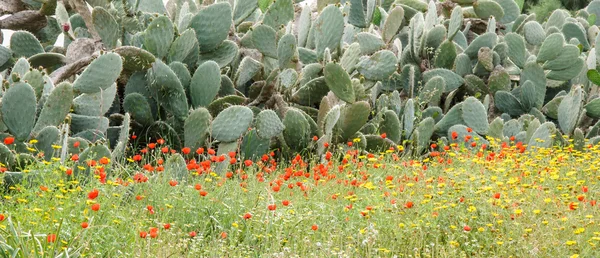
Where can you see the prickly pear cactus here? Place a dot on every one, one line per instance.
(251, 74)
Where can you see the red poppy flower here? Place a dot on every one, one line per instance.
(193, 234)
(467, 228)
(186, 150)
(93, 194)
(572, 206)
(248, 163)
(9, 140)
(497, 196)
(314, 227)
(200, 151)
(104, 160)
(211, 152)
(167, 226)
(2, 217)
(151, 145)
(247, 216)
(223, 235)
(96, 207)
(272, 207)
(203, 193)
(285, 202)
(143, 234)
(315, 138)
(231, 154)
(76, 144)
(198, 187)
(69, 172)
(84, 225)
(408, 205)
(51, 238)
(75, 157)
(454, 135)
(148, 168)
(383, 135)
(172, 182)
(153, 232)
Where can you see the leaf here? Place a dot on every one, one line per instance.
(594, 76)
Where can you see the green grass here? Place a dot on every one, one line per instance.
(361, 208)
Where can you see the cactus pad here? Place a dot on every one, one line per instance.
(339, 82)
(297, 130)
(95, 104)
(379, 66)
(100, 74)
(475, 115)
(569, 110)
(183, 46)
(19, 109)
(231, 123)
(279, 13)
(328, 29)
(24, 44)
(352, 118)
(137, 105)
(205, 84)
(212, 25)
(268, 124)
(223, 55)
(106, 26)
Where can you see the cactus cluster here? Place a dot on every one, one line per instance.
(256, 76)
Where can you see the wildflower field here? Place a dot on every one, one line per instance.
(299, 128)
(497, 201)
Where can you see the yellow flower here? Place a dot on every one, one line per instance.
(570, 243)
